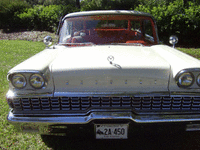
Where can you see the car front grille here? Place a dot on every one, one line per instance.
(86, 103)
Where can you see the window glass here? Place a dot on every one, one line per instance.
(104, 29)
(148, 30)
(136, 25)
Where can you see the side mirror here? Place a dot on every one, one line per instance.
(47, 41)
(173, 40)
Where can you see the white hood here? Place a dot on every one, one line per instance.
(134, 69)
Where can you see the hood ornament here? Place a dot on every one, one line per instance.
(110, 59)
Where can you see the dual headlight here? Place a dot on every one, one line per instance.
(19, 81)
(187, 79)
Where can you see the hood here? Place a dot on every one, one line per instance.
(121, 69)
(105, 69)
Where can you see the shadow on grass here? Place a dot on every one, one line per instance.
(143, 141)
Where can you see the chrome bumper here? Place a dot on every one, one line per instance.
(42, 125)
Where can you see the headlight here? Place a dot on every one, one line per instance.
(36, 81)
(18, 81)
(185, 79)
(198, 80)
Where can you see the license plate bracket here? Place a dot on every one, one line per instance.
(111, 131)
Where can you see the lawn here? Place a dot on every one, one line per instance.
(195, 52)
(11, 53)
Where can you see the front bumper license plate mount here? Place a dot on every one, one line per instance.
(111, 131)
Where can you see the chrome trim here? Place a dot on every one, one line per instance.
(106, 12)
(24, 71)
(189, 70)
(42, 72)
(184, 94)
(11, 95)
(105, 94)
(84, 104)
(198, 80)
(41, 124)
(21, 71)
(108, 94)
(194, 72)
(19, 74)
(184, 73)
(30, 90)
(193, 127)
(44, 80)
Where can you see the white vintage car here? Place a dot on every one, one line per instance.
(107, 74)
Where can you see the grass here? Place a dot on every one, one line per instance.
(195, 52)
(12, 53)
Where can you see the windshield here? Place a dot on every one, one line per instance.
(108, 29)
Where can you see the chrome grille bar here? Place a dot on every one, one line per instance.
(85, 103)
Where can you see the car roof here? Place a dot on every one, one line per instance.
(107, 12)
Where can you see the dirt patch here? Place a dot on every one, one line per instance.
(28, 35)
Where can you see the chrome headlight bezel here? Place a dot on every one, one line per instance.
(187, 77)
(17, 76)
(198, 80)
(34, 79)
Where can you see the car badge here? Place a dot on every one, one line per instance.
(110, 59)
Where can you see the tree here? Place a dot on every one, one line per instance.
(108, 4)
(78, 4)
(53, 2)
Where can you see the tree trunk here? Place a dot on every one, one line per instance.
(78, 4)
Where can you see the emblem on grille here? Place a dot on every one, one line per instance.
(110, 59)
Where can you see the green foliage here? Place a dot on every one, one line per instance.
(180, 17)
(108, 4)
(176, 18)
(155, 2)
(50, 2)
(24, 14)
(44, 17)
(8, 9)
(194, 52)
